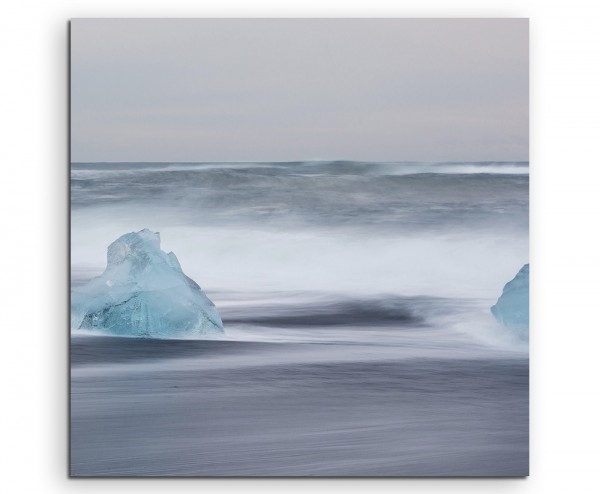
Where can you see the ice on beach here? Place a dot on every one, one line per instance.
(143, 293)
(512, 308)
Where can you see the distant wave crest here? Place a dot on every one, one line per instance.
(83, 170)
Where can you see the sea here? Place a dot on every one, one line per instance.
(356, 301)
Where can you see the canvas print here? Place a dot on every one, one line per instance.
(299, 247)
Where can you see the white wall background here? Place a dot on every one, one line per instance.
(565, 104)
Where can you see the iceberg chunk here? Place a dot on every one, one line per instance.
(512, 308)
(143, 293)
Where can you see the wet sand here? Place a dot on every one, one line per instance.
(241, 408)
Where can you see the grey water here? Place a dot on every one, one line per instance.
(355, 298)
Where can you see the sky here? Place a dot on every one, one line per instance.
(299, 89)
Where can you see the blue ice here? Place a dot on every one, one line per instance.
(143, 293)
(512, 308)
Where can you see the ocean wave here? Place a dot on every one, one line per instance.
(308, 168)
(333, 195)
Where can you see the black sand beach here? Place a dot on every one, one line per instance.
(235, 408)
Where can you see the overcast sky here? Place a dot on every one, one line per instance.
(299, 89)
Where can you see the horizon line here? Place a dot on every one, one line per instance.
(183, 162)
